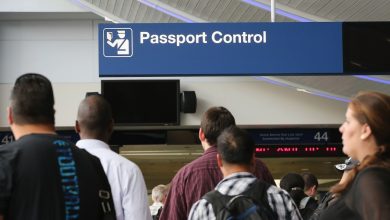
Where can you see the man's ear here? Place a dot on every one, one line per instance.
(253, 162)
(10, 116)
(219, 160)
(201, 135)
(77, 127)
(111, 127)
(366, 132)
(314, 189)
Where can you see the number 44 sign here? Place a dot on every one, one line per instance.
(321, 136)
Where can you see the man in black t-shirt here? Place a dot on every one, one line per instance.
(43, 177)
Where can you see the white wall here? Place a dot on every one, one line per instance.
(66, 52)
(39, 6)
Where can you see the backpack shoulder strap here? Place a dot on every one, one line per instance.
(258, 192)
(217, 200)
(258, 188)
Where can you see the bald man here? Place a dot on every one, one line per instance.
(95, 125)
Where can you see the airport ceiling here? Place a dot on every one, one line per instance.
(241, 10)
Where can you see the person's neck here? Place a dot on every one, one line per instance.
(369, 148)
(228, 170)
(21, 130)
(206, 145)
(84, 136)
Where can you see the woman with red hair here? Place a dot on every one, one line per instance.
(366, 137)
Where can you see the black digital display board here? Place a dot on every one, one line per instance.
(297, 142)
(270, 142)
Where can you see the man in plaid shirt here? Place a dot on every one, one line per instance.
(236, 155)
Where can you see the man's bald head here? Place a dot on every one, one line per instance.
(94, 118)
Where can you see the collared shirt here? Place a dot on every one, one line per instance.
(155, 207)
(279, 200)
(196, 179)
(126, 180)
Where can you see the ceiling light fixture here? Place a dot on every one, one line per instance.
(303, 90)
(323, 95)
(374, 79)
(277, 11)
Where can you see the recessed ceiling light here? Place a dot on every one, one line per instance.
(303, 90)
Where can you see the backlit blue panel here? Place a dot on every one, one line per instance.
(220, 49)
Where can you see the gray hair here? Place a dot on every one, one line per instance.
(159, 192)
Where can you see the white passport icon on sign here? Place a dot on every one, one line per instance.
(117, 42)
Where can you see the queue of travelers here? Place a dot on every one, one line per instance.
(46, 177)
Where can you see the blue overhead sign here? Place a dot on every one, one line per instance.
(210, 49)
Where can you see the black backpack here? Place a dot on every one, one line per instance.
(326, 201)
(251, 204)
(307, 207)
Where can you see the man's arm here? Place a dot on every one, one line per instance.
(135, 196)
(7, 159)
(112, 44)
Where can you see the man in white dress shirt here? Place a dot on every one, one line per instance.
(95, 125)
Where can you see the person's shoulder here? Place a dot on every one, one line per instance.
(82, 153)
(8, 152)
(311, 203)
(193, 164)
(275, 191)
(192, 167)
(183, 172)
(372, 175)
(199, 208)
(111, 156)
(123, 163)
(259, 162)
(12, 146)
(375, 169)
(31, 139)
(374, 172)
